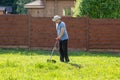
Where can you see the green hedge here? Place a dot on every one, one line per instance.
(98, 8)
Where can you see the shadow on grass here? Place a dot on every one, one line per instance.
(48, 52)
(78, 66)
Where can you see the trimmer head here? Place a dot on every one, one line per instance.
(52, 61)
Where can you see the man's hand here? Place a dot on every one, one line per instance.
(58, 38)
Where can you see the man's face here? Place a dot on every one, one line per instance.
(57, 21)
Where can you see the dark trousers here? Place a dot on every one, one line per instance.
(63, 49)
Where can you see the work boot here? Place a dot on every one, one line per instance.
(61, 59)
(67, 60)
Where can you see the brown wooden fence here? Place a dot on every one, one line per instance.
(104, 34)
(13, 31)
(39, 32)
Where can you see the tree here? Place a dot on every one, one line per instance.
(77, 8)
(20, 6)
(98, 8)
(6, 2)
(17, 5)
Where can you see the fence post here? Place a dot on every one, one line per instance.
(87, 33)
(29, 31)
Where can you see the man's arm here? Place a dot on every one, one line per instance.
(62, 32)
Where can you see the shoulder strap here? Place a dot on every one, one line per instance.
(59, 23)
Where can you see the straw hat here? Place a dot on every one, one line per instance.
(56, 17)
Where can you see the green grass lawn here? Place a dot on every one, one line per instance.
(20, 64)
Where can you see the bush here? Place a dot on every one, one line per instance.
(98, 8)
(20, 6)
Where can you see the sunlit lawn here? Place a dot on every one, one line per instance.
(21, 64)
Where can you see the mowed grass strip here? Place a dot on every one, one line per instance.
(21, 64)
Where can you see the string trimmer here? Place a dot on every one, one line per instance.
(51, 60)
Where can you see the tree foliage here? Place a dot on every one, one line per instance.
(17, 5)
(20, 6)
(98, 8)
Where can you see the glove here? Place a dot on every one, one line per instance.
(57, 39)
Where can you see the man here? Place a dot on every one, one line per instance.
(62, 38)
